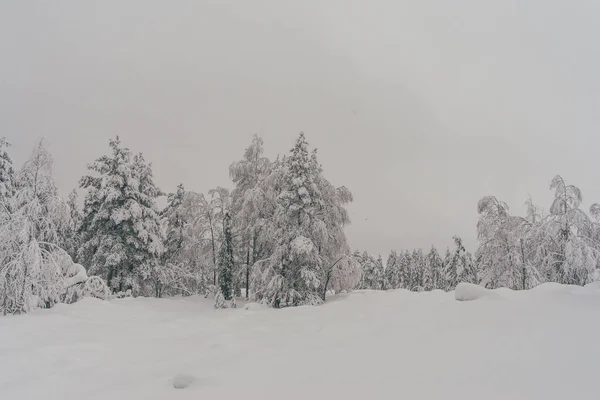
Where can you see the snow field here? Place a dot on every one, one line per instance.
(539, 344)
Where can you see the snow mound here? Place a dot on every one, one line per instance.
(470, 292)
(182, 381)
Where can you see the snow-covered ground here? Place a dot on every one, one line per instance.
(540, 344)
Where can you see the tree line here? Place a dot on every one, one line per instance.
(277, 235)
(561, 245)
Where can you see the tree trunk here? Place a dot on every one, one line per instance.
(247, 273)
(326, 284)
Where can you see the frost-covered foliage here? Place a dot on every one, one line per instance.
(121, 227)
(187, 256)
(435, 266)
(250, 205)
(373, 273)
(561, 246)
(343, 275)
(71, 241)
(34, 270)
(29, 235)
(415, 271)
(461, 267)
(7, 174)
(502, 254)
(220, 300)
(306, 230)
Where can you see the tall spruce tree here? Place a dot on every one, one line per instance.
(121, 238)
(307, 230)
(226, 260)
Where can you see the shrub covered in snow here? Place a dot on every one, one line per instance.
(220, 300)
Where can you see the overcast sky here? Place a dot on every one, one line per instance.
(419, 107)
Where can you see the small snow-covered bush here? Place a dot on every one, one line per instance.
(220, 300)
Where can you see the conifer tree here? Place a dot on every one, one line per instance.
(226, 260)
(121, 238)
(307, 230)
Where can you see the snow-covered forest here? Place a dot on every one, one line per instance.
(274, 234)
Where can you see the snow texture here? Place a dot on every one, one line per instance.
(469, 292)
(537, 344)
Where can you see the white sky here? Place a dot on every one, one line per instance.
(419, 107)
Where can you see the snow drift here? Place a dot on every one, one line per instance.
(362, 345)
(470, 292)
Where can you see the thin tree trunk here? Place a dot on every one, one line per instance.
(329, 276)
(247, 272)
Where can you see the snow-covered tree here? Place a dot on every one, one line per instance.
(435, 266)
(392, 271)
(7, 175)
(71, 239)
(343, 275)
(502, 254)
(418, 270)
(307, 225)
(210, 222)
(31, 273)
(226, 261)
(405, 270)
(373, 273)
(460, 267)
(574, 257)
(121, 235)
(220, 300)
(175, 223)
(250, 205)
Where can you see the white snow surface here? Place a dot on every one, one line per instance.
(469, 292)
(539, 344)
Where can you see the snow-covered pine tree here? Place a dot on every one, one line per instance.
(175, 219)
(71, 240)
(405, 270)
(435, 265)
(220, 300)
(226, 261)
(183, 263)
(307, 226)
(7, 175)
(121, 237)
(392, 271)
(418, 270)
(461, 267)
(383, 283)
(427, 273)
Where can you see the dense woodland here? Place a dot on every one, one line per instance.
(276, 237)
